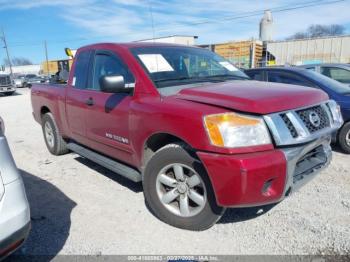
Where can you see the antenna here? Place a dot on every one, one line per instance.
(152, 21)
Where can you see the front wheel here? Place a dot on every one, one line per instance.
(178, 190)
(54, 141)
(9, 93)
(344, 138)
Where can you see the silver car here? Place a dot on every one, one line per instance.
(14, 207)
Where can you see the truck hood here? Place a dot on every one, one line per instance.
(253, 96)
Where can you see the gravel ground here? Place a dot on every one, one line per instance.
(80, 208)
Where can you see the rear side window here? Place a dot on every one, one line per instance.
(339, 74)
(287, 78)
(81, 68)
(255, 75)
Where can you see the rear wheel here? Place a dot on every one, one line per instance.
(54, 141)
(178, 190)
(9, 93)
(344, 138)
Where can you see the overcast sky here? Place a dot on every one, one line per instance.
(72, 23)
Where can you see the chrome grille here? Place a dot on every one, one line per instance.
(320, 112)
(289, 125)
(5, 80)
(303, 125)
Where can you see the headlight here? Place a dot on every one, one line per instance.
(2, 127)
(336, 112)
(235, 130)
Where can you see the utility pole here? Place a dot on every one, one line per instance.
(7, 51)
(47, 59)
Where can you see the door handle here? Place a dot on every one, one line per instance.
(90, 102)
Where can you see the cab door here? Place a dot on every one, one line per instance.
(107, 118)
(77, 95)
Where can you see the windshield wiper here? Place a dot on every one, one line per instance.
(172, 79)
(227, 76)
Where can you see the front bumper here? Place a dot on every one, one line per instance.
(265, 177)
(4, 89)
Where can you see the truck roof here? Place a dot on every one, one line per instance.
(133, 44)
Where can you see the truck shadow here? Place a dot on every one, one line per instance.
(14, 94)
(50, 217)
(234, 215)
(135, 187)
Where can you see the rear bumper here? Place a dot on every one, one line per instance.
(14, 207)
(266, 177)
(14, 217)
(14, 241)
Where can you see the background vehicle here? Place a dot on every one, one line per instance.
(300, 76)
(14, 207)
(189, 125)
(339, 72)
(7, 86)
(19, 80)
(31, 79)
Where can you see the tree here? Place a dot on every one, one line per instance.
(18, 61)
(318, 31)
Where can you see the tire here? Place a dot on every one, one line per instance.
(9, 93)
(344, 138)
(53, 140)
(196, 217)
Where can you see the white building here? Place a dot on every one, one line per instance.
(332, 49)
(22, 70)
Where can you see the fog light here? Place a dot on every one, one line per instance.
(267, 187)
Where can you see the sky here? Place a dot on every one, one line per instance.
(73, 23)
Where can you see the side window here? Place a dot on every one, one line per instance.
(256, 75)
(106, 64)
(339, 74)
(80, 76)
(286, 78)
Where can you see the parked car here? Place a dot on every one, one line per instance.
(339, 72)
(31, 79)
(14, 207)
(300, 76)
(189, 125)
(19, 80)
(7, 86)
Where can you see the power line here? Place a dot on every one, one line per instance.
(196, 23)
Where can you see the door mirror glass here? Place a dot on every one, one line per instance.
(114, 84)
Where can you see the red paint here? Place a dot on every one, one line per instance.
(145, 113)
(238, 179)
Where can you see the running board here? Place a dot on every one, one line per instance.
(106, 162)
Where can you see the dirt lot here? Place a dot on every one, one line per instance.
(80, 208)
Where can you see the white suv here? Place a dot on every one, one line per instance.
(14, 207)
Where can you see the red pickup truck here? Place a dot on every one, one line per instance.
(192, 127)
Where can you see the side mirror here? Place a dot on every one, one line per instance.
(114, 84)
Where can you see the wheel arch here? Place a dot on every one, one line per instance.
(158, 140)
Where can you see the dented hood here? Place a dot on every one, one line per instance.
(253, 96)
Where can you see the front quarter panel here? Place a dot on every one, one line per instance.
(183, 119)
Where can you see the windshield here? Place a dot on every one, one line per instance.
(173, 65)
(328, 82)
